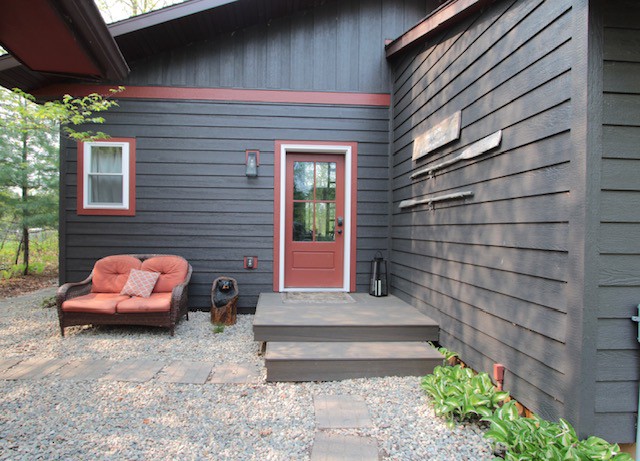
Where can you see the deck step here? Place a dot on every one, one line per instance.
(366, 319)
(332, 361)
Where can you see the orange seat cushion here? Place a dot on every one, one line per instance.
(173, 271)
(157, 302)
(95, 303)
(111, 273)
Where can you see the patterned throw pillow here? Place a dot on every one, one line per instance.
(140, 283)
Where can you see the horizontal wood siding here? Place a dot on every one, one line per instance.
(492, 269)
(619, 237)
(336, 47)
(193, 198)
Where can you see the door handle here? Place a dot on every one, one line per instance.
(340, 221)
(339, 231)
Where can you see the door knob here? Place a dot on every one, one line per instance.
(340, 221)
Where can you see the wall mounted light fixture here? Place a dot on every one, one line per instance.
(252, 161)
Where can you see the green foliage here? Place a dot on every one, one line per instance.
(16, 270)
(532, 439)
(459, 393)
(49, 301)
(44, 255)
(29, 154)
(218, 328)
(448, 355)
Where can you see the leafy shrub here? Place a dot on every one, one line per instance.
(530, 439)
(458, 392)
(15, 270)
(450, 356)
(49, 301)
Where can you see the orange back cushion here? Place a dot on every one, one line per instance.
(173, 270)
(111, 273)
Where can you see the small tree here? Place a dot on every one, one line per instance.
(29, 154)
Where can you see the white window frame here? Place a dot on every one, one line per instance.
(125, 176)
(317, 149)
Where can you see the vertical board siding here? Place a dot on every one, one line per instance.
(491, 268)
(336, 47)
(619, 236)
(194, 200)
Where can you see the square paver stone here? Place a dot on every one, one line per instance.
(85, 370)
(341, 411)
(186, 372)
(234, 373)
(137, 371)
(33, 369)
(5, 364)
(333, 447)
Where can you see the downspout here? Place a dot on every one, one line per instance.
(636, 318)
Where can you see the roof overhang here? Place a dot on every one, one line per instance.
(445, 16)
(59, 37)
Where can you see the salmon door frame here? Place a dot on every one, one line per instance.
(318, 148)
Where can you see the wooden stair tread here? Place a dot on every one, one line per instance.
(368, 311)
(326, 351)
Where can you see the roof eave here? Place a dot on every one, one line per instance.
(163, 15)
(89, 24)
(448, 14)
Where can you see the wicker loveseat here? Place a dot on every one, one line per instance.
(98, 299)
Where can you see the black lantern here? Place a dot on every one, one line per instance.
(378, 285)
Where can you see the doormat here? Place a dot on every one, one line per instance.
(317, 297)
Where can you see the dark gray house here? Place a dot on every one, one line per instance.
(488, 148)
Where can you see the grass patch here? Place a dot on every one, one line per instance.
(43, 255)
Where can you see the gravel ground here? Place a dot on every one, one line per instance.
(105, 420)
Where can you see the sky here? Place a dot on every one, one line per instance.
(114, 10)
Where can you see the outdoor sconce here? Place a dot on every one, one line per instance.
(252, 159)
(379, 282)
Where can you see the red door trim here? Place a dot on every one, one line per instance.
(277, 179)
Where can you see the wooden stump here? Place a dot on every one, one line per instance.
(226, 314)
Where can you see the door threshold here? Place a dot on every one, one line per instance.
(316, 290)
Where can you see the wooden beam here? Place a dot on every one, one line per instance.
(444, 16)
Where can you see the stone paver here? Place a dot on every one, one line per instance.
(186, 372)
(33, 369)
(137, 371)
(5, 364)
(85, 370)
(332, 447)
(341, 411)
(234, 373)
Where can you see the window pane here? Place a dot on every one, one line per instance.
(303, 222)
(303, 180)
(105, 189)
(106, 159)
(325, 222)
(325, 181)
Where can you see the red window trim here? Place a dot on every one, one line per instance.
(131, 211)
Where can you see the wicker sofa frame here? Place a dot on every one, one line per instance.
(178, 307)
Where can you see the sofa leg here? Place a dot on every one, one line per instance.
(187, 315)
(61, 331)
(172, 330)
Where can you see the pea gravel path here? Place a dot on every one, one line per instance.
(102, 419)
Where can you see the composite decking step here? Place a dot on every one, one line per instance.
(365, 319)
(333, 361)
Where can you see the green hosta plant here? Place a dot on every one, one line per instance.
(531, 439)
(459, 393)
